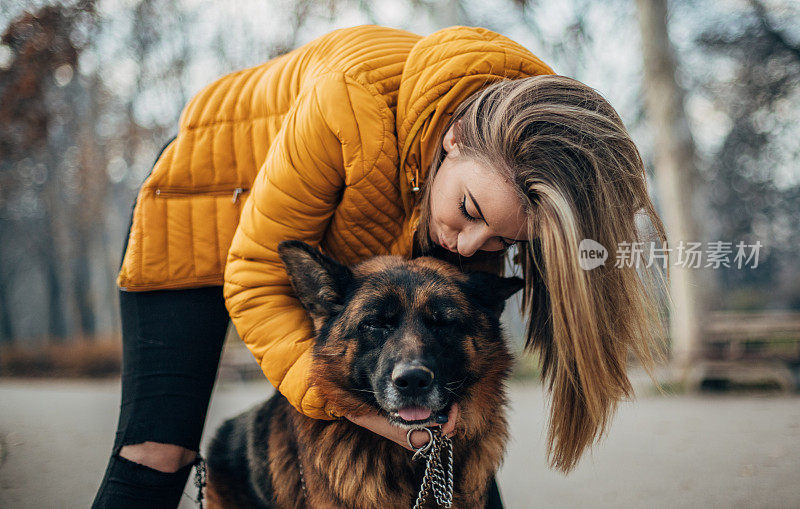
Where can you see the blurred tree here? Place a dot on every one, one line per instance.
(757, 195)
(676, 171)
(43, 56)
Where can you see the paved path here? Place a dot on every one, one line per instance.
(670, 452)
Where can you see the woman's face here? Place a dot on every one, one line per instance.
(472, 207)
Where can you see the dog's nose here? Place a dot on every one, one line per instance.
(411, 380)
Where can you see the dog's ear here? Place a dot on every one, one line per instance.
(492, 291)
(319, 281)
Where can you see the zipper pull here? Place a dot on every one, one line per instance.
(236, 193)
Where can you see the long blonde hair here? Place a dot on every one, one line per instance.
(580, 176)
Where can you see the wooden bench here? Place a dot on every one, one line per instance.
(750, 349)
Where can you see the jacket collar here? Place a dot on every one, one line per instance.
(442, 70)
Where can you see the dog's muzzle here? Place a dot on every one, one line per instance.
(412, 395)
(412, 380)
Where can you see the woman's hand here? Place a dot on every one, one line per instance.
(380, 425)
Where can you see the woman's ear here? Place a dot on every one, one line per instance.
(449, 140)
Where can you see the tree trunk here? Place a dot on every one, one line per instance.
(6, 279)
(48, 246)
(6, 325)
(88, 212)
(676, 175)
(57, 323)
(82, 285)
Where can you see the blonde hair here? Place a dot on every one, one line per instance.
(580, 176)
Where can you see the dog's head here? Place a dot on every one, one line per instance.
(405, 337)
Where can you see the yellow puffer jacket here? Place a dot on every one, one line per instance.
(323, 144)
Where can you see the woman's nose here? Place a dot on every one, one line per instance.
(469, 242)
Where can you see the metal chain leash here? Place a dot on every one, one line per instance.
(302, 479)
(437, 476)
(200, 479)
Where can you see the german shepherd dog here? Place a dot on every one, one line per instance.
(405, 338)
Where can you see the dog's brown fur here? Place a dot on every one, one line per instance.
(255, 458)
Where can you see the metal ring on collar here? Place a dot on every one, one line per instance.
(424, 448)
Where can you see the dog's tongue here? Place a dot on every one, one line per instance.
(414, 413)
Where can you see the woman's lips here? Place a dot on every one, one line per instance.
(444, 244)
(440, 240)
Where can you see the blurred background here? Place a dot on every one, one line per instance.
(91, 90)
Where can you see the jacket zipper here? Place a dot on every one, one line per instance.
(166, 192)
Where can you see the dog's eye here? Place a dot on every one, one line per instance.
(374, 326)
(439, 319)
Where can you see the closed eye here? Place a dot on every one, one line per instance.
(374, 326)
(442, 319)
(462, 206)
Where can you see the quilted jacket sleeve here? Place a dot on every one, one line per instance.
(293, 197)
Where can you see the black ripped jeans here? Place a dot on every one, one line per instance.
(171, 346)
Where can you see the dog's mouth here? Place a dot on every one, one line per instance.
(415, 415)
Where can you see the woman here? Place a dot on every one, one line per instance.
(371, 140)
